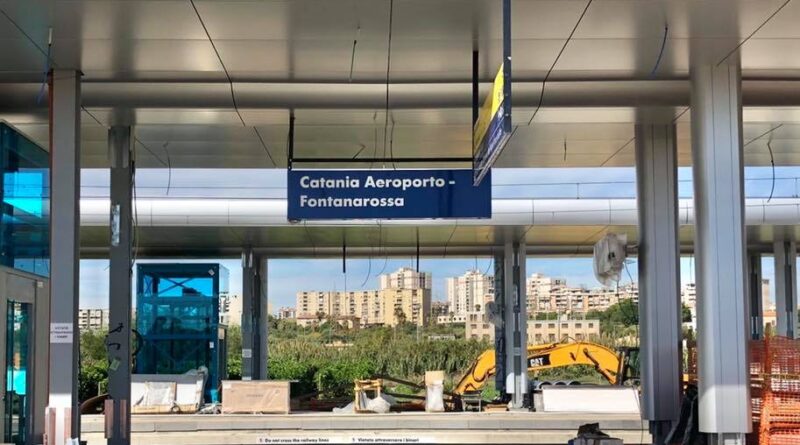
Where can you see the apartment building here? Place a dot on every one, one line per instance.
(478, 327)
(405, 305)
(387, 306)
(230, 310)
(406, 278)
(541, 292)
(451, 319)
(92, 319)
(547, 294)
(286, 313)
(469, 292)
(551, 331)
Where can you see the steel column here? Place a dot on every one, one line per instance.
(754, 280)
(249, 315)
(722, 312)
(659, 276)
(263, 320)
(786, 288)
(65, 121)
(120, 144)
(516, 383)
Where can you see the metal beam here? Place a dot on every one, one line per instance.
(659, 276)
(422, 95)
(63, 412)
(120, 144)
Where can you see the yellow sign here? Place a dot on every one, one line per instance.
(490, 107)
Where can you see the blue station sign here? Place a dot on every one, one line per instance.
(387, 194)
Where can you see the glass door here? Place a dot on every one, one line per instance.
(17, 405)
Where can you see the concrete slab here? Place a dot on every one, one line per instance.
(477, 428)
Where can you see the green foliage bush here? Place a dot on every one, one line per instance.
(313, 358)
(93, 373)
(336, 379)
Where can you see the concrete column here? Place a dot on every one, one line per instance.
(516, 371)
(786, 288)
(500, 328)
(63, 419)
(722, 312)
(263, 321)
(756, 298)
(659, 276)
(250, 308)
(120, 144)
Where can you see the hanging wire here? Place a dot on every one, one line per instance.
(46, 66)
(388, 79)
(772, 163)
(550, 70)
(353, 54)
(219, 57)
(660, 52)
(169, 167)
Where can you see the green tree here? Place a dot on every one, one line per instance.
(686, 313)
(233, 340)
(625, 313)
(93, 372)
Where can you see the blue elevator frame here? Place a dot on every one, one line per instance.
(177, 317)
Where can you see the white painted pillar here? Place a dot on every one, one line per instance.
(63, 420)
(722, 310)
(659, 276)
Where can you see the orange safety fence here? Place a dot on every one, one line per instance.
(779, 420)
(774, 389)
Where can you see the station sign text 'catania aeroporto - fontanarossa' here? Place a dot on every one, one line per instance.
(387, 194)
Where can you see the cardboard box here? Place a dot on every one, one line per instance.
(250, 397)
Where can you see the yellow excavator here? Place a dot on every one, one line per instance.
(617, 367)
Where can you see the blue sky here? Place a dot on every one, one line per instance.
(286, 277)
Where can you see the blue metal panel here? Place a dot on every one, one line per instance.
(25, 203)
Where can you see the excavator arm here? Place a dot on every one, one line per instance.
(540, 357)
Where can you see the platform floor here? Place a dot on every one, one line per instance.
(473, 428)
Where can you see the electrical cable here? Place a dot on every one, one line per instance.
(754, 32)
(369, 268)
(444, 254)
(550, 70)
(630, 277)
(310, 239)
(768, 132)
(169, 167)
(772, 162)
(660, 52)
(219, 57)
(388, 69)
(353, 55)
(264, 145)
(359, 151)
(488, 265)
(46, 66)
